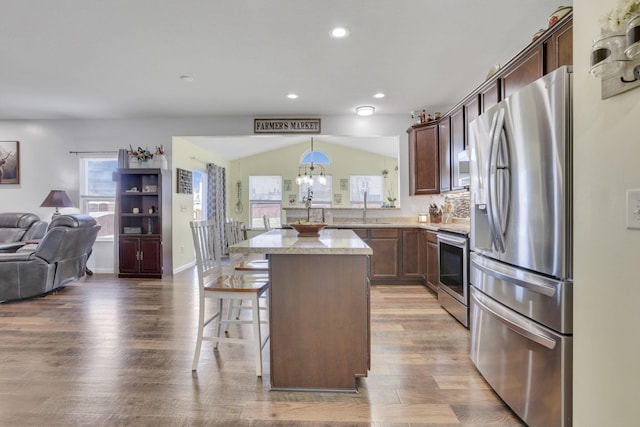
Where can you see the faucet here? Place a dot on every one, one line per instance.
(364, 211)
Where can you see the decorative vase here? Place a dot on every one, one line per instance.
(134, 163)
(160, 161)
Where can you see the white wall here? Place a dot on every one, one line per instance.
(45, 162)
(606, 254)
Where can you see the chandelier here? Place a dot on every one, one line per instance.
(305, 173)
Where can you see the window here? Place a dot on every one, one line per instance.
(199, 191)
(372, 184)
(98, 192)
(322, 193)
(265, 198)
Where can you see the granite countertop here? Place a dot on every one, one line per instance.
(453, 227)
(286, 241)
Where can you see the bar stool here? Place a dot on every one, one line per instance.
(225, 289)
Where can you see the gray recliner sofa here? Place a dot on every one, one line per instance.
(18, 227)
(59, 257)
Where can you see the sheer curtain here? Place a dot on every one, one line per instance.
(216, 199)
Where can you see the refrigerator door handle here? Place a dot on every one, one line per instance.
(503, 181)
(513, 324)
(517, 277)
(492, 202)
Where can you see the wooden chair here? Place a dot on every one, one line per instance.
(224, 290)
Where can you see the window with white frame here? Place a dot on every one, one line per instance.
(373, 185)
(98, 191)
(265, 198)
(322, 193)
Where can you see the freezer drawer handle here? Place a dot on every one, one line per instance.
(540, 288)
(543, 340)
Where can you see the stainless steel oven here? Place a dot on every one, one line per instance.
(453, 281)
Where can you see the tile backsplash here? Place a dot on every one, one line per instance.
(461, 204)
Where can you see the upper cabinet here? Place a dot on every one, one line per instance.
(558, 46)
(458, 138)
(447, 138)
(444, 145)
(424, 175)
(525, 70)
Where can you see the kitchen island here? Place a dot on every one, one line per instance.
(318, 308)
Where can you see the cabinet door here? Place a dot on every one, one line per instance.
(128, 255)
(457, 144)
(471, 112)
(411, 253)
(425, 175)
(526, 70)
(558, 47)
(150, 256)
(433, 269)
(384, 261)
(444, 147)
(490, 96)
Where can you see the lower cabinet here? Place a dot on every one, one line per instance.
(411, 254)
(140, 257)
(397, 254)
(432, 272)
(385, 259)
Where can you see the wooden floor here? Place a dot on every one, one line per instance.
(111, 352)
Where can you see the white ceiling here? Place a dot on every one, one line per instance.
(123, 58)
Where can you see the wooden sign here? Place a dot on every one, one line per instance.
(286, 125)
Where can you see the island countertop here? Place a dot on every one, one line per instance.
(286, 241)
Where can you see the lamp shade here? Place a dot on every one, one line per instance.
(57, 199)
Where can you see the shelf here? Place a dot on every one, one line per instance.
(139, 215)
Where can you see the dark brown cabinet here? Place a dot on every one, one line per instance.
(424, 175)
(444, 146)
(490, 95)
(432, 268)
(558, 47)
(525, 70)
(142, 223)
(458, 136)
(411, 253)
(385, 258)
(397, 254)
(140, 256)
(471, 112)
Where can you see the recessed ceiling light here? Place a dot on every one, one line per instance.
(379, 95)
(365, 110)
(292, 96)
(186, 78)
(339, 32)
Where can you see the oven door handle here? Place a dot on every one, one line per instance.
(452, 241)
(529, 334)
(517, 277)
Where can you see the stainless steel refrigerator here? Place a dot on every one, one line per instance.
(521, 242)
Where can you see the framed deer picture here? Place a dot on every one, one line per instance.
(9, 162)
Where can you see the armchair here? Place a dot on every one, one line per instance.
(57, 259)
(17, 227)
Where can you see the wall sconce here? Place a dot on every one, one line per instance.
(615, 58)
(423, 217)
